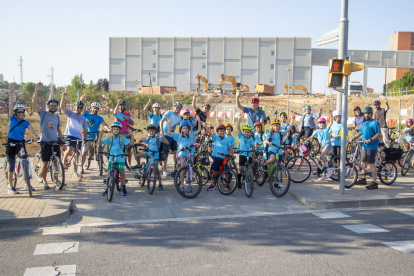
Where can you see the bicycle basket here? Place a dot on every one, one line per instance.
(303, 149)
(391, 154)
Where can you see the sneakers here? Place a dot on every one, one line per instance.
(264, 168)
(328, 172)
(165, 173)
(12, 191)
(124, 192)
(160, 187)
(361, 181)
(372, 186)
(26, 188)
(105, 193)
(182, 190)
(45, 186)
(136, 167)
(211, 188)
(190, 189)
(322, 178)
(227, 187)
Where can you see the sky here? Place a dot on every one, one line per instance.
(73, 36)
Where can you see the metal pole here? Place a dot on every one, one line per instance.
(399, 116)
(342, 54)
(332, 106)
(288, 93)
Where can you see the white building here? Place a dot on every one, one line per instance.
(175, 61)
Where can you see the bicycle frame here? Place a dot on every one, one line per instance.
(356, 162)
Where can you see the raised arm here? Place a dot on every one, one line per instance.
(198, 124)
(106, 127)
(81, 98)
(11, 89)
(169, 127)
(387, 107)
(62, 102)
(36, 96)
(146, 106)
(238, 101)
(319, 113)
(194, 103)
(116, 107)
(332, 119)
(238, 125)
(295, 113)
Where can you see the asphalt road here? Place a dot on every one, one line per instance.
(299, 244)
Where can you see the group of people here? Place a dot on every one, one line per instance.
(82, 127)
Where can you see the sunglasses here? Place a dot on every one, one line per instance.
(79, 107)
(178, 106)
(20, 112)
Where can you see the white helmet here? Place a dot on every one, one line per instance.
(19, 106)
(95, 104)
(337, 113)
(156, 105)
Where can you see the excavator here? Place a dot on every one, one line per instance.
(235, 86)
(208, 87)
(294, 86)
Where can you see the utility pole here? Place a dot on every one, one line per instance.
(343, 54)
(51, 76)
(21, 70)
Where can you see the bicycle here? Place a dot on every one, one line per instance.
(147, 171)
(385, 169)
(54, 166)
(258, 162)
(23, 168)
(112, 178)
(128, 166)
(314, 146)
(408, 160)
(93, 154)
(225, 176)
(400, 143)
(248, 174)
(77, 154)
(189, 176)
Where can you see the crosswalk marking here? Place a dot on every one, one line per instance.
(61, 230)
(365, 228)
(56, 248)
(331, 215)
(51, 270)
(409, 212)
(403, 246)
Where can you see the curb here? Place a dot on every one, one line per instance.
(55, 211)
(331, 204)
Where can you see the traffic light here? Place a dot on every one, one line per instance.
(335, 72)
(350, 67)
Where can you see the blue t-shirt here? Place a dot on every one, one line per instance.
(285, 126)
(245, 144)
(175, 121)
(116, 147)
(18, 132)
(368, 130)
(185, 141)
(359, 121)
(231, 138)
(275, 138)
(153, 145)
(94, 122)
(409, 135)
(259, 137)
(335, 129)
(323, 136)
(294, 139)
(253, 117)
(154, 119)
(221, 145)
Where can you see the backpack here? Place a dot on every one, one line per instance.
(121, 143)
(162, 150)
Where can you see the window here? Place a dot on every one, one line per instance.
(154, 79)
(272, 53)
(154, 52)
(204, 53)
(272, 80)
(203, 66)
(272, 66)
(154, 65)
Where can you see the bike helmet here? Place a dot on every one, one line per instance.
(178, 104)
(123, 103)
(377, 102)
(95, 104)
(321, 120)
(257, 124)
(255, 100)
(79, 103)
(283, 113)
(410, 120)
(156, 105)
(247, 127)
(308, 107)
(116, 124)
(186, 111)
(356, 108)
(220, 127)
(154, 126)
(207, 105)
(52, 100)
(274, 122)
(368, 109)
(185, 123)
(228, 125)
(19, 106)
(337, 113)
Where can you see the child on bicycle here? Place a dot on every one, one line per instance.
(259, 135)
(274, 137)
(222, 145)
(323, 138)
(246, 142)
(117, 145)
(229, 130)
(153, 142)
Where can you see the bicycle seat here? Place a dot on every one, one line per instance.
(381, 144)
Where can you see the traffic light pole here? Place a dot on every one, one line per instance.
(343, 54)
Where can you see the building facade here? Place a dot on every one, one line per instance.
(400, 41)
(176, 61)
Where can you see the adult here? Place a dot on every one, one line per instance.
(370, 133)
(76, 127)
(172, 144)
(307, 124)
(380, 116)
(126, 121)
(202, 114)
(17, 129)
(49, 129)
(155, 116)
(254, 113)
(359, 118)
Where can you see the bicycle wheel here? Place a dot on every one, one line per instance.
(78, 167)
(279, 181)
(407, 163)
(248, 182)
(227, 182)
(57, 173)
(110, 186)
(118, 184)
(142, 175)
(334, 164)
(89, 157)
(388, 173)
(152, 179)
(99, 159)
(351, 175)
(290, 153)
(204, 174)
(192, 182)
(315, 148)
(402, 159)
(38, 167)
(299, 169)
(25, 167)
(6, 173)
(259, 176)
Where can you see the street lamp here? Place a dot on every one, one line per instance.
(288, 70)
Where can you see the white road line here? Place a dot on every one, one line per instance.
(331, 215)
(365, 228)
(409, 212)
(51, 270)
(402, 246)
(61, 230)
(56, 248)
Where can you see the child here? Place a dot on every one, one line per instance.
(153, 142)
(154, 117)
(285, 125)
(229, 130)
(293, 136)
(246, 142)
(335, 130)
(221, 145)
(258, 135)
(323, 138)
(187, 117)
(117, 145)
(274, 137)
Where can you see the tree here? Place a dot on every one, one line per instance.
(407, 80)
(28, 90)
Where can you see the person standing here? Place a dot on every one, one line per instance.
(359, 118)
(155, 116)
(125, 119)
(255, 114)
(381, 117)
(307, 124)
(202, 114)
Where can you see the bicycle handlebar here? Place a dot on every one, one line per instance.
(13, 144)
(134, 129)
(189, 147)
(110, 155)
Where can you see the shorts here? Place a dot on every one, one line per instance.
(368, 156)
(217, 164)
(272, 152)
(327, 146)
(46, 151)
(243, 160)
(126, 135)
(12, 151)
(73, 141)
(87, 146)
(11, 161)
(172, 144)
(119, 165)
(154, 161)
